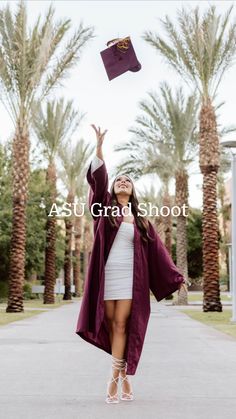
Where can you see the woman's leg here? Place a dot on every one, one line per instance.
(110, 314)
(117, 313)
(122, 313)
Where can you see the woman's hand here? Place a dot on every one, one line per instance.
(100, 135)
(182, 285)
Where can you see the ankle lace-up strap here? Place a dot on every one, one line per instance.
(118, 364)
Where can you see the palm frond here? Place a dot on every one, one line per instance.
(68, 58)
(200, 47)
(32, 61)
(56, 125)
(74, 160)
(165, 135)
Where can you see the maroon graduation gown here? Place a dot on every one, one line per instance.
(153, 270)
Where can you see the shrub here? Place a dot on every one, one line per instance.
(27, 289)
(3, 291)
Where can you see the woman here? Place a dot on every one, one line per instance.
(127, 260)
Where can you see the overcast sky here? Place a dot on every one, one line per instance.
(114, 104)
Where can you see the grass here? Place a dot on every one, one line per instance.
(218, 320)
(198, 297)
(39, 303)
(6, 318)
(192, 297)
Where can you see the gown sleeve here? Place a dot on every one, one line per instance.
(97, 178)
(164, 277)
(96, 163)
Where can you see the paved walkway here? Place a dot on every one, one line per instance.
(187, 370)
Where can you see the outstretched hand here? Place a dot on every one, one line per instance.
(100, 135)
(182, 286)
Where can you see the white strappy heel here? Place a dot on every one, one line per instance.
(116, 364)
(126, 396)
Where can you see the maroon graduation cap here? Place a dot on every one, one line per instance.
(119, 57)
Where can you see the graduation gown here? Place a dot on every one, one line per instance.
(153, 270)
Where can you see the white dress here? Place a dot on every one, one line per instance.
(119, 265)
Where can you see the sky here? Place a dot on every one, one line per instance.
(113, 105)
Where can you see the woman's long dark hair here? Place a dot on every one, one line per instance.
(141, 221)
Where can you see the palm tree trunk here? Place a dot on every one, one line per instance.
(209, 164)
(160, 227)
(167, 222)
(68, 250)
(181, 198)
(67, 260)
(225, 238)
(76, 264)
(50, 251)
(18, 238)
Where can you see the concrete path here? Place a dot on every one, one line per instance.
(187, 370)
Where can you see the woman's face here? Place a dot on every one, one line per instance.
(123, 185)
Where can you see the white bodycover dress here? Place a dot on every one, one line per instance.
(119, 265)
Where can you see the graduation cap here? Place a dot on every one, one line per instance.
(119, 57)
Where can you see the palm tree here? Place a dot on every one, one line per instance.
(76, 254)
(201, 49)
(144, 159)
(160, 162)
(79, 232)
(74, 160)
(150, 195)
(168, 125)
(53, 128)
(31, 64)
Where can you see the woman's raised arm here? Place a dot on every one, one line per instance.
(100, 138)
(97, 175)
